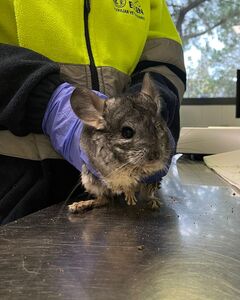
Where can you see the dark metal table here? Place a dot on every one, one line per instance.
(190, 249)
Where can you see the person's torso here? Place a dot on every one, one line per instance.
(97, 44)
(106, 33)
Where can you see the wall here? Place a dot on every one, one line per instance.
(208, 115)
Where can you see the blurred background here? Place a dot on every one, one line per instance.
(210, 31)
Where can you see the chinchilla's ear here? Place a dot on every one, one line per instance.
(149, 88)
(88, 107)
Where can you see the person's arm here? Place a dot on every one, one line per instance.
(34, 99)
(163, 58)
(27, 82)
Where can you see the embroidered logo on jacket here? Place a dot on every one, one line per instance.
(120, 3)
(129, 7)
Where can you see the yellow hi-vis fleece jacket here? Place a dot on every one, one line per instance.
(103, 45)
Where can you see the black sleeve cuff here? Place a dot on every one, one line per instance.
(38, 101)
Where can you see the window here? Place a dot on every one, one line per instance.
(210, 31)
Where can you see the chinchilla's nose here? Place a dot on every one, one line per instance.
(153, 155)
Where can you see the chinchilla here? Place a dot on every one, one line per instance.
(126, 140)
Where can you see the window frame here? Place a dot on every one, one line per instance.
(209, 101)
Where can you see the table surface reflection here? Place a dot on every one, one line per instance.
(190, 249)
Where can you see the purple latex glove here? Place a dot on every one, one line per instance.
(157, 177)
(64, 128)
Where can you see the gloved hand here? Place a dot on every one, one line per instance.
(64, 128)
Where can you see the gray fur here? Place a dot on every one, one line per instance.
(122, 162)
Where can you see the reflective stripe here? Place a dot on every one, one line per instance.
(167, 51)
(164, 50)
(76, 74)
(149, 63)
(171, 77)
(111, 80)
(32, 146)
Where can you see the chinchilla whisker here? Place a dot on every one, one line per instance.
(140, 158)
(136, 159)
(64, 204)
(165, 169)
(133, 162)
(136, 154)
(118, 169)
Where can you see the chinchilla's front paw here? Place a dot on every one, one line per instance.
(130, 198)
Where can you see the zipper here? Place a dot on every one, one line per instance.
(93, 69)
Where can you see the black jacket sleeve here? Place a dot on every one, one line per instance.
(27, 81)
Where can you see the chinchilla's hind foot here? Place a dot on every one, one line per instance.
(154, 203)
(82, 206)
(149, 192)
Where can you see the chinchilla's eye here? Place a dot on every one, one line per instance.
(127, 132)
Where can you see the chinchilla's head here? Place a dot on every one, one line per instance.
(126, 134)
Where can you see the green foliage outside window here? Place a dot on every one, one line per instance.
(210, 30)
